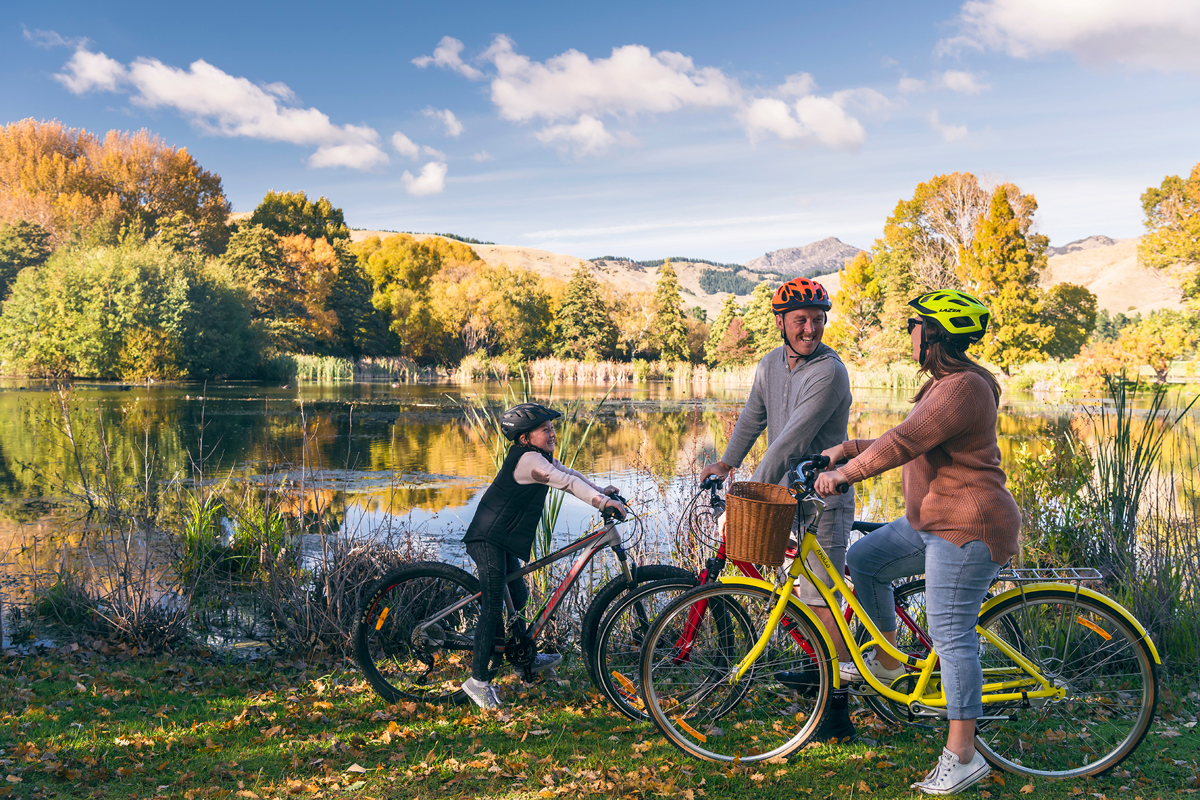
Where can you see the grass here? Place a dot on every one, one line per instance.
(87, 725)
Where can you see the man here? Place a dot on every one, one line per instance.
(801, 397)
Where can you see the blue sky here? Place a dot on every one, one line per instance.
(698, 129)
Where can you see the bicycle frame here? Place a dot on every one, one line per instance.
(590, 544)
(1034, 687)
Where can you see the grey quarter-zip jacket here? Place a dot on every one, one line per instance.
(804, 410)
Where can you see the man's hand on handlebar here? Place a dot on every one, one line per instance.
(718, 469)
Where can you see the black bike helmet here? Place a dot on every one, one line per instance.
(523, 418)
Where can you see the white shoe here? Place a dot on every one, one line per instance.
(850, 674)
(544, 661)
(482, 694)
(951, 776)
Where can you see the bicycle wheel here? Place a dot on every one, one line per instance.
(1085, 646)
(402, 659)
(912, 637)
(611, 592)
(771, 711)
(619, 641)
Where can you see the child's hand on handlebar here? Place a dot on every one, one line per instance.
(613, 506)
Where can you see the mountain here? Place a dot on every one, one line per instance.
(819, 258)
(1090, 243)
(1111, 272)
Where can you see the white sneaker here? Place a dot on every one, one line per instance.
(544, 661)
(482, 694)
(951, 776)
(850, 673)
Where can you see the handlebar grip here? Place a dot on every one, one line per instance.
(711, 482)
(843, 487)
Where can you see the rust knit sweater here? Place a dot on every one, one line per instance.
(953, 484)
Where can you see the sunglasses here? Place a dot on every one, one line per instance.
(913, 323)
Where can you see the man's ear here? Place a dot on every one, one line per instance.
(779, 321)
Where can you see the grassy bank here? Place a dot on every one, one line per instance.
(86, 725)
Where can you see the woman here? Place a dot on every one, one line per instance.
(960, 524)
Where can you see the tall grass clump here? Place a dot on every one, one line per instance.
(901, 375)
(325, 369)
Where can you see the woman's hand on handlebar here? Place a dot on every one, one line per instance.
(828, 483)
(610, 489)
(835, 454)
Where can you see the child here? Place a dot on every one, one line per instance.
(504, 525)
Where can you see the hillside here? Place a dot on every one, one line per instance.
(1105, 266)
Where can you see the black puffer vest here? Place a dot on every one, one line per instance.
(509, 512)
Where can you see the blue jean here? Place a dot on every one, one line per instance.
(956, 581)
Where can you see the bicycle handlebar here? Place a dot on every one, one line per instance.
(608, 513)
(804, 475)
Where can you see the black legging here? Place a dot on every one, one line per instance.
(493, 564)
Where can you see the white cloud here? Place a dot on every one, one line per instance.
(411, 150)
(49, 39)
(87, 72)
(446, 55)
(481, 156)
(225, 105)
(631, 81)
(911, 86)
(1159, 34)
(961, 82)
(572, 94)
(950, 133)
(798, 85)
(809, 120)
(447, 118)
(431, 180)
(586, 137)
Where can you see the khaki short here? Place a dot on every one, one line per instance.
(833, 535)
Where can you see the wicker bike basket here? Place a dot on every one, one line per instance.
(758, 521)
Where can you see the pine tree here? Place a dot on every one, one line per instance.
(584, 327)
(669, 328)
(1001, 268)
(759, 320)
(858, 304)
(729, 310)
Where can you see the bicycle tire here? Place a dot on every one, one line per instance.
(1087, 646)
(909, 596)
(620, 638)
(395, 662)
(769, 713)
(610, 593)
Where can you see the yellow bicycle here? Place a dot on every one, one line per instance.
(1070, 681)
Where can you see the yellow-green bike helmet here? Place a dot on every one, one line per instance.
(957, 314)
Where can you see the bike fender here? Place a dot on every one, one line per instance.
(1108, 602)
(834, 672)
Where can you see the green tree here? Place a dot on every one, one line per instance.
(758, 319)
(670, 332)
(1172, 240)
(22, 244)
(716, 332)
(1108, 328)
(857, 307)
(1002, 267)
(292, 213)
(1070, 312)
(132, 311)
(402, 270)
(1159, 340)
(584, 327)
